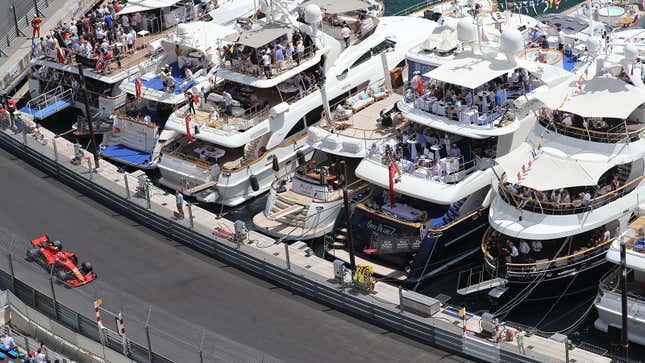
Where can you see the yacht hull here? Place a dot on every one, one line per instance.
(421, 256)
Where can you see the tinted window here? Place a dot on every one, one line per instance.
(362, 59)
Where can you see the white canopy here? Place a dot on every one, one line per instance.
(602, 96)
(339, 6)
(548, 172)
(470, 72)
(259, 37)
(134, 6)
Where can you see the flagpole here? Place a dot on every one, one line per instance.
(88, 115)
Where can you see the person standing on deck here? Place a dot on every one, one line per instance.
(346, 32)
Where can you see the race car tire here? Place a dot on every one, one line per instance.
(32, 254)
(86, 267)
(63, 275)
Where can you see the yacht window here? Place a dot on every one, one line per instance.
(365, 57)
(381, 47)
(299, 126)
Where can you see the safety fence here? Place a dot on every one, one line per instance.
(73, 320)
(298, 280)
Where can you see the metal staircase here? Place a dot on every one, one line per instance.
(477, 279)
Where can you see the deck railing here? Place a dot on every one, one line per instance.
(532, 204)
(608, 137)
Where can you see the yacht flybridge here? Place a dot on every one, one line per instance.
(54, 71)
(189, 64)
(573, 186)
(277, 76)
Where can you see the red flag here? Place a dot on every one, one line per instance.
(59, 55)
(99, 63)
(137, 87)
(190, 137)
(519, 176)
(393, 169)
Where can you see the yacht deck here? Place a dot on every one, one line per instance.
(365, 125)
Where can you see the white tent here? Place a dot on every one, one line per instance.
(548, 172)
(602, 96)
(470, 72)
(134, 6)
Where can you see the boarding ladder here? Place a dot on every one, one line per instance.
(49, 103)
(477, 279)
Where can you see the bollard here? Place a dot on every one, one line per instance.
(13, 276)
(286, 252)
(190, 215)
(127, 187)
(149, 344)
(51, 285)
(148, 205)
(89, 167)
(55, 150)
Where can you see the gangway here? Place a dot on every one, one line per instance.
(49, 103)
(478, 279)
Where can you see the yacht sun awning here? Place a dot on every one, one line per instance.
(470, 72)
(260, 37)
(603, 96)
(134, 6)
(338, 6)
(548, 172)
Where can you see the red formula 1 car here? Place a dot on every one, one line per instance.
(49, 254)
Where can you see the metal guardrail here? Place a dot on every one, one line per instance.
(73, 320)
(429, 331)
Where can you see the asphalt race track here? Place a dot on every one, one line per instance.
(145, 270)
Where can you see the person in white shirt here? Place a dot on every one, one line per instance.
(414, 82)
(536, 247)
(266, 63)
(8, 343)
(567, 121)
(346, 33)
(560, 40)
(129, 38)
(228, 101)
(606, 236)
(514, 252)
(525, 249)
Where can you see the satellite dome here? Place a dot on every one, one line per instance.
(466, 30)
(593, 44)
(313, 14)
(183, 29)
(630, 51)
(511, 41)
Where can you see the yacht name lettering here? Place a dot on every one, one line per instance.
(380, 228)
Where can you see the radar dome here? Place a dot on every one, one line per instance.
(182, 30)
(511, 41)
(630, 51)
(313, 14)
(593, 44)
(466, 30)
